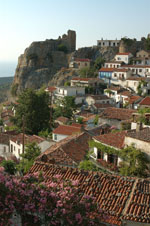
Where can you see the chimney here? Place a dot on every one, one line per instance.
(138, 126)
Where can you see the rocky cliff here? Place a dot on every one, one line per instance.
(42, 62)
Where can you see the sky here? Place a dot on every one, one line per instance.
(25, 21)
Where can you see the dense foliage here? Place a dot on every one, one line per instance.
(33, 111)
(31, 151)
(65, 107)
(135, 162)
(36, 202)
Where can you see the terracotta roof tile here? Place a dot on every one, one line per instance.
(111, 192)
(62, 119)
(123, 53)
(27, 138)
(66, 130)
(145, 101)
(67, 151)
(117, 113)
(106, 69)
(113, 139)
(143, 134)
(133, 99)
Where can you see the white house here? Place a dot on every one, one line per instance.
(77, 92)
(142, 70)
(140, 138)
(112, 140)
(98, 99)
(120, 75)
(125, 57)
(113, 64)
(16, 143)
(80, 63)
(63, 131)
(108, 43)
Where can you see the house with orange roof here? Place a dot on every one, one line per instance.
(112, 140)
(67, 152)
(63, 131)
(145, 103)
(116, 76)
(116, 116)
(80, 63)
(125, 57)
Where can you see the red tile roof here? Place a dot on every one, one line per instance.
(106, 69)
(121, 70)
(111, 192)
(62, 119)
(27, 138)
(68, 151)
(136, 78)
(98, 106)
(138, 209)
(133, 99)
(51, 89)
(143, 134)
(123, 53)
(145, 101)
(66, 130)
(113, 139)
(125, 93)
(117, 113)
(135, 66)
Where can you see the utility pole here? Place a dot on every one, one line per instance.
(23, 124)
(50, 121)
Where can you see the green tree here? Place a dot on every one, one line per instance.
(33, 110)
(135, 162)
(109, 92)
(96, 120)
(87, 72)
(80, 120)
(9, 166)
(147, 44)
(142, 118)
(65, 107)
(99, 62)
(32, 150)
(87, 165)
(67, 83)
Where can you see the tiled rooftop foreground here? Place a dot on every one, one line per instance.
(118, 197)
(139, 206)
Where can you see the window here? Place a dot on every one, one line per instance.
(14, 148)
(18, 151)
(11, 150)
(140, 70)
(100, 154)
(115, 75)
(4, 149)
(55, 136)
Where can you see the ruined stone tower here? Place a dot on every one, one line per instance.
(122, 47)
(69, 40)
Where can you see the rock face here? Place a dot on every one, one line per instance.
(42, 60)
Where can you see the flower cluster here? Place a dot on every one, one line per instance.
(43, 201)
